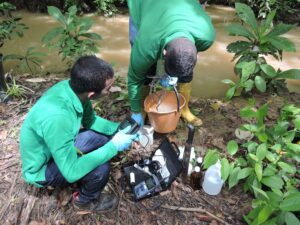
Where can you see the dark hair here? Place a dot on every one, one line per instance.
(90, 73)
(180, 59)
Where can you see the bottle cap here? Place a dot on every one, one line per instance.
(197, 169)
(199, 160)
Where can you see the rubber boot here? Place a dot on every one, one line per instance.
(185, 90)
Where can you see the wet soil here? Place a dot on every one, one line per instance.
(21, 203)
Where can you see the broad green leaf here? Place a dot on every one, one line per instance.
(272, 221)
(261, 151)
(85, 25)
(260, 83)
(247, 112)
(279, 30)
(264, 214)
(250, 127)
(252, 214)
(291, 203)
(210, 158)
(273, 181)
(283, 44)
(12, 57)
(297, 122)
(93, 36)
(245, 172)
(238, 46)
(247, 70)
(248, 85)
(258, 170)
(225, 169)
(241, 162)
(293, 147)
(56, 13)
(52, 34)
(270, 156)
(230, 92)
(268, 22)
(261, 114)
(268, 70)
(227, 81)
(233, 178)
(275, 198)
(290, 74)
(232, 147)
(291, 219)
(239, 30)
(287, 167)
(262, 136)
(269, 171)
(260, 192)
(254, 157)
(247, 15)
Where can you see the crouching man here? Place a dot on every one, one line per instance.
(62, 141)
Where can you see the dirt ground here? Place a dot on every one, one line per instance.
(21, 203)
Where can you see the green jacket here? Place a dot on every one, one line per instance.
(159, 22)
(49, 132)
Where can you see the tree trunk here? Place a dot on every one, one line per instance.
(2, 81)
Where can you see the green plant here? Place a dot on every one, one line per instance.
(263, 7)
(108, 7)
(10, 27)
(9, 24)
(266, 165)
(15, 90)
(31, 60)
(72, 38)
(263, 38)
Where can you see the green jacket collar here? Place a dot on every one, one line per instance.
(73, 97)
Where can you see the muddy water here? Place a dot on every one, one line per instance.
(213, 65)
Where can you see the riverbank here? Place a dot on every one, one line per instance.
(22, 203)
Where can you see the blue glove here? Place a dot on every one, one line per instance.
(167, 81)
(138, 117)
(122, 141)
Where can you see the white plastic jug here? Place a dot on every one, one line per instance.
(212, 183)
(146, 136)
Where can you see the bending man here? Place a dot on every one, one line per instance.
(173, 31)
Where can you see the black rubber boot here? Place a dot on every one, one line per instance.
(106, 203)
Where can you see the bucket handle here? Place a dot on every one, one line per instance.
(177, 97)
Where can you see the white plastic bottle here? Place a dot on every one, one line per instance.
(212, 183)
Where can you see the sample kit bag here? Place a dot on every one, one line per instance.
(155, 174)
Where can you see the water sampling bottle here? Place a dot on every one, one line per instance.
(212, 183)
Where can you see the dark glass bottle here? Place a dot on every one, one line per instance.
(195, 178)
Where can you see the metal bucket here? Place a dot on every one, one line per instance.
(162, 110)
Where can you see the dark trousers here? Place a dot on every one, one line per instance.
(91, 184)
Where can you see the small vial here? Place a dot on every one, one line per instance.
(195, 178)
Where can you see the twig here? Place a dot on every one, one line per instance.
(8, 165)
(7, 157)
(26, 212)
(9, 197)
(194, 210)
(118, 220)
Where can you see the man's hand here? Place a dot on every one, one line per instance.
(138, 117)
(167, 81)
(122, 141)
